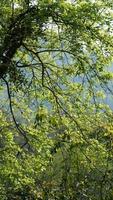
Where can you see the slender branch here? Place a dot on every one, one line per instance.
(19, 129)
(43, 69)
(48, 50)
(29, 65)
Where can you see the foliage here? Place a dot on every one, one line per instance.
(56, 129)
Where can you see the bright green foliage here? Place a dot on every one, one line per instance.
(19, 167)
(56, 132)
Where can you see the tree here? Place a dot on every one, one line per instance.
(56, 134)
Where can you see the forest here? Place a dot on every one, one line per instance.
(56, 100)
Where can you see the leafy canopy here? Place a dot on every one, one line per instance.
(56, 130)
